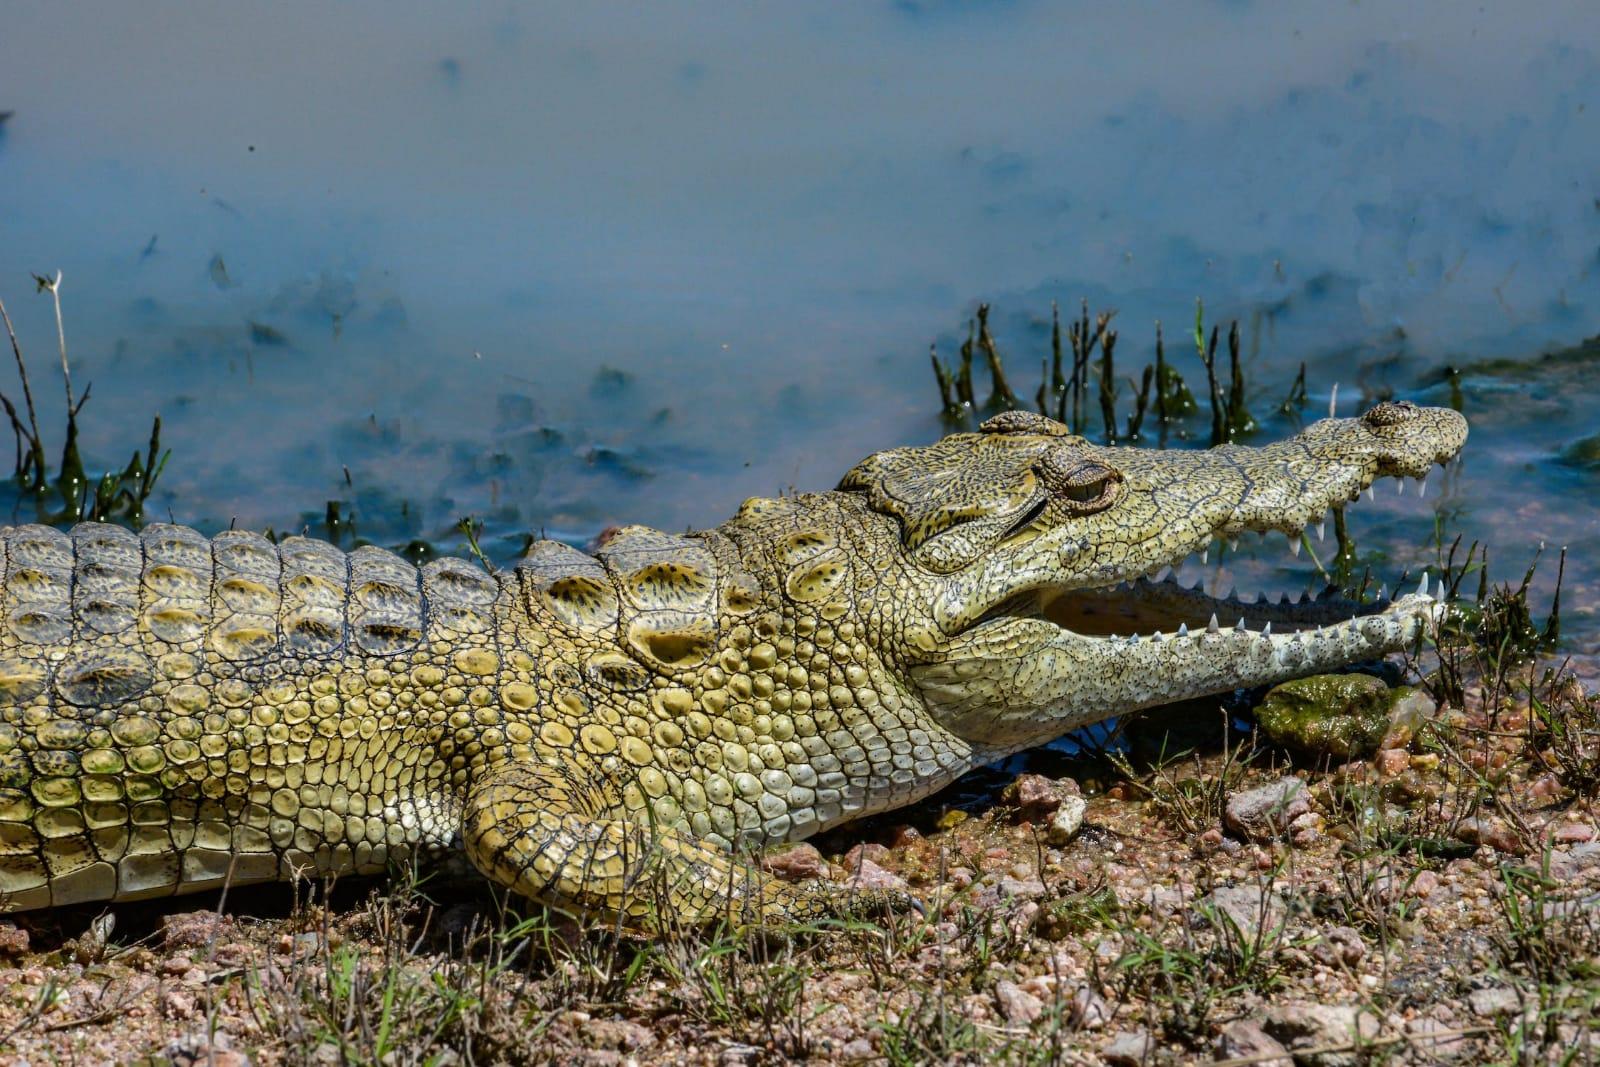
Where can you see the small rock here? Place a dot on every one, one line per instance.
(1544, 788)
(959, 877)
(1491, 833)
(1245, 1040)
(1409, 710)
(870, 876)
(1067, 821)
(1494, 1001)
(1266, 811)
(1437, 1040)
(13, 939)
(1339, 946)
(739, 1054)
(1392, 762)
(1017, 1005)
(1302, 1027)
(1250, 908)
(1424, 884)
(856, 1050)
(1021, 888)
(1130, 1048)
(1088, 1010)
(1036, 796)
(177, 1002)
(620, 1034)
(1569, 863)
(194, 929)
(1572, 833)
(199, 1050)
(867, 850)
(903, 835)
(796, 864)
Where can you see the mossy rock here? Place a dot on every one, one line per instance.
(1329, 716)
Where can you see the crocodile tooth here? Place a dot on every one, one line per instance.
(1370, 494)
(1158, 637)
(1240, 627)
(1266, 631)
(1205, 555)
(1211, 627)
(1422, 587)
(1233, 544)
(1322, 530)
(1400, 486)
(1422, 487)
(1294, 547)
(1183, 629)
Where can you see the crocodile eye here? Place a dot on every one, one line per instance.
(1087, 485)
(1087, 492)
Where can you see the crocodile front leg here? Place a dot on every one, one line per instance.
(557, 834)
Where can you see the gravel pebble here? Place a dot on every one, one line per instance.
(1067, 821)
(1130, 1048)
(1249, 907)
(1303, 1026)
(1491, 833)
(1017, 1005)
(867, 850)
(194, 929)
(796, 864)
(1339, 946)
(868, 875)
(13, 939)
(1264, 812)
(1089, 1010)
(198, 1050)
(1021, 888)
(1245, 1040)
(1494, 1001)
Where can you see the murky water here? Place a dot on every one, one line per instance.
(564, 268)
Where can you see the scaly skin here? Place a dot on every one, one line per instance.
(601, 732)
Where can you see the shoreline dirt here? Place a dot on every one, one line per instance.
(1436, 903)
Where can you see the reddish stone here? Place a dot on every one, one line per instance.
(1424, 884)
(871, 876)
(193, 929)
(796, 864)
(1491, 835)
(1392, 762)
(13, 939)
(868, 851)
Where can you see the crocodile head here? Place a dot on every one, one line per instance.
(1024, 602)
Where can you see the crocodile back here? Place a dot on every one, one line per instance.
(178, 712)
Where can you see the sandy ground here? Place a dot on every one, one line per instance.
(1436, 903)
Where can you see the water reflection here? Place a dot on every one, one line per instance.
(565, 267)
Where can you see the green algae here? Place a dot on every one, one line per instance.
(1329, 716)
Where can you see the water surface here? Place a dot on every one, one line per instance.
(566, 267)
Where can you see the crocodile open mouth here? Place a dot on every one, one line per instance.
(1158, 606)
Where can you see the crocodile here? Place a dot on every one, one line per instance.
(615, 733)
